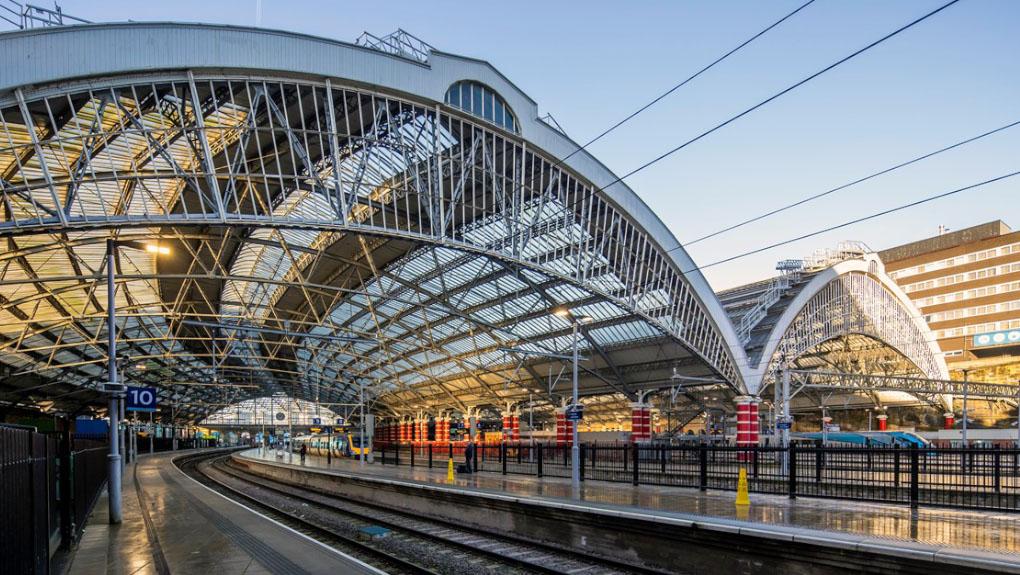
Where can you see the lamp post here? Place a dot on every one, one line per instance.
(115, 390)
(575, 448)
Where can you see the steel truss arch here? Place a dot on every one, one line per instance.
(274, 185)
(853, 298)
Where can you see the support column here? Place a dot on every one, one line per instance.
(507, 426)
(640, 422)
(515, 428)
(950, 419)
(562, 431)
(747, 425)
(882, 421)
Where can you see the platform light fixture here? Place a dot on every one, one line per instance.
(157, 249)
(575, 449)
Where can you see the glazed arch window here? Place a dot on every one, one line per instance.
(479, 100)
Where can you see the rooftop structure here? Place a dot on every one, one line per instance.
(330, 219)
(335, 216)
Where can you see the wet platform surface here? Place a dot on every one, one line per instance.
(991, 539)
(190, 529)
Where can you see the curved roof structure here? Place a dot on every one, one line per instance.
(843, 314)
(332, 222)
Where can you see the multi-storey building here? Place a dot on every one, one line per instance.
(967, 285)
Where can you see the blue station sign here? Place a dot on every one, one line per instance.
(141, 399)
(1004, 337)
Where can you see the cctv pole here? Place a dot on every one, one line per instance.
(113, 459)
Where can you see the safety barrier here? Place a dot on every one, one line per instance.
(48, 485)
(977, 478)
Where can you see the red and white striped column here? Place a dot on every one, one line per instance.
(507, 426)
(883, 422)
(563, 434)
(640, 422)
(950, 419)
(515, 428)
(747, 425)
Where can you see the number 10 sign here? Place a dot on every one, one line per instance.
(141, 399)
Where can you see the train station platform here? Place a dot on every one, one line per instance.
(173, 524)
(976, 540)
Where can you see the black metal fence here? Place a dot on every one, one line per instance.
(48, 485)
(980, 478)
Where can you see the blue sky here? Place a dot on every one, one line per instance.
(591, 63)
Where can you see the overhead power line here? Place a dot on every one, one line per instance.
(780, 94)
(902, 207)
(850, 184)
(687, 80)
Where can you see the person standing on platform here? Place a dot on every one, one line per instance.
(469, 456)
(304, 451)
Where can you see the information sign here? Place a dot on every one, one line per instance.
(575, 412)
(784, 424)
(141, 399)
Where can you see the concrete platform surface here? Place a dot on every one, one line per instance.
(946, 536)
(172, 524)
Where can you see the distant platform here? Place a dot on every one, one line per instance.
(943, 537)
(173, 524)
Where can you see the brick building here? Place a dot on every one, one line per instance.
(967, 285)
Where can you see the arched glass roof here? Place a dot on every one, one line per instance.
(271, 411)
(326, 237)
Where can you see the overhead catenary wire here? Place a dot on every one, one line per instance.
(851, 184)
(872, 216)
(774, 97)
(683, 83)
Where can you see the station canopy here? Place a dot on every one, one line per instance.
(303, 217)
(320, 235)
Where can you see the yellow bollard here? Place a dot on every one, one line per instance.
(449, 471)
(742, 498)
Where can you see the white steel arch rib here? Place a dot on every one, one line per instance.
(854, 296)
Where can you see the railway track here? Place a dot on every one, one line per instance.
(392, 540)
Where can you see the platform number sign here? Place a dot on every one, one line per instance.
(575, 412)
(316, 421)
(340, 422)
(141, 399)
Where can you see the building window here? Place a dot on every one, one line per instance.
(481, 101)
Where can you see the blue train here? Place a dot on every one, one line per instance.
(862, 438)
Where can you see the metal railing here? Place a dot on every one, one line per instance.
(977, 478)
(26, 16)
(48, 486)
